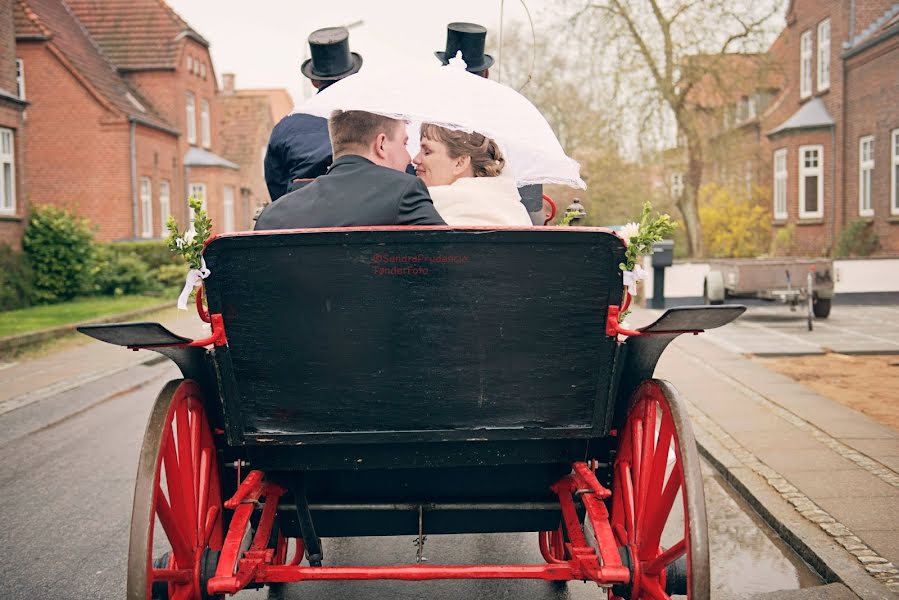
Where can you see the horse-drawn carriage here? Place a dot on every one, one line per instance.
(415, 381)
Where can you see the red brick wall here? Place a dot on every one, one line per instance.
(812, 235)
(872, 87)
(158, 160)
(77, 151)
(12, 226)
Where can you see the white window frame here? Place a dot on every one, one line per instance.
(191, 118)
(806, 171)
(7, 171)
(824, 55)
(165, 204)
(228, 209)
(196, 189)
(146, 207)
(865, 175)
(894, 172)
(205, 131)
(20, 78)
(805, 64)
(781, 181)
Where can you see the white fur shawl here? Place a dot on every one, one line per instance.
(480, 201)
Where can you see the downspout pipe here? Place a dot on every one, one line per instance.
(132, 148)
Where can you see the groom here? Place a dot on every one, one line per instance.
(366, 184)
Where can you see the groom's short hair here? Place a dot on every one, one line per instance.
(352, 131)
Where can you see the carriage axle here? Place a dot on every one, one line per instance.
(238, 567)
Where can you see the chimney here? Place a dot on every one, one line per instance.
(228, 83)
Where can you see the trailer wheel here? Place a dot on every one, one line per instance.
(177, 511)
(713, 288)
(666, 557)
(821, 307)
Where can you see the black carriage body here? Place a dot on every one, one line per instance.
(417, 366)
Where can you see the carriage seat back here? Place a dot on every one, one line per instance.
(414, 334)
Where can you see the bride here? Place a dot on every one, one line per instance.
(463, 174)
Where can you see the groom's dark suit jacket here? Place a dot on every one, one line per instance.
(354, 192)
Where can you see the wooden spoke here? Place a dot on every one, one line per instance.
(645, 487)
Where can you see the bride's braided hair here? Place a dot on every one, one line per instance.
(486, 158)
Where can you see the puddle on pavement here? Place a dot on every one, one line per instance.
(747, 556)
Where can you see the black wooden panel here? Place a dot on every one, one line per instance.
(361, 332)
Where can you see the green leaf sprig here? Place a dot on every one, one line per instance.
(190, 243)
(640, 236)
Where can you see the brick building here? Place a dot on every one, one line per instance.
(829, 142)
(124, 116)
(13, 190)
(247, 119)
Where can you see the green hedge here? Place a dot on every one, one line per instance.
(16, 290)
(60, 250)
(154, 253)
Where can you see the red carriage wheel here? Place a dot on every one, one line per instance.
(176, 520)
(657, 463)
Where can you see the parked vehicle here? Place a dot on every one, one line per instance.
(797, 282)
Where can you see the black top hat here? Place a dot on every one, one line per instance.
(469, 38)
(331, 57)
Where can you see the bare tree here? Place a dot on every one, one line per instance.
(661, 49)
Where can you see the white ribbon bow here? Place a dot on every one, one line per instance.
(195, 278)
(630, 278)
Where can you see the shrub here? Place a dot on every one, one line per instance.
(783, 241)
(169, 276)
(116, 273)
(16, 290)
(59, 248)
(154, 253)
(858, 239)
(733, 226)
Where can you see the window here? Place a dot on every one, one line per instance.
(677, 184)
(228, 205)
(20, 78)
(165, 205)
(894, 173)
(191, 119)
(865, 167)
(198, 190)
(203, 70)
(824, 55)
(7, 172)
(146, 208)
(746, 109)
(780, 184)
(204, 123)
(811, 182)
(805, 65)
(190, 63)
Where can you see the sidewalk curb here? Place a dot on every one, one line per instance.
(21, 341)
(814, 546)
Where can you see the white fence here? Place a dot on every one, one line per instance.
(852, 276)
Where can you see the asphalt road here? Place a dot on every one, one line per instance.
(68, 475)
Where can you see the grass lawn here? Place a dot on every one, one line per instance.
(26, 320)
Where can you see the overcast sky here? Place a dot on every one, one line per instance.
(263, 41)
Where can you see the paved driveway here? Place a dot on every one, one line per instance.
(773, 330)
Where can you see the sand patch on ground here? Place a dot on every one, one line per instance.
(868, 384)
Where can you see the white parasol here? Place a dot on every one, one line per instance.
(451, 97)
